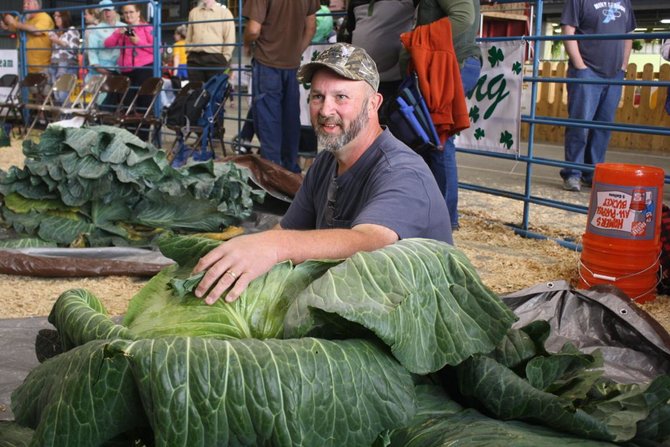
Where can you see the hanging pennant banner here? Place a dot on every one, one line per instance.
(495, 103)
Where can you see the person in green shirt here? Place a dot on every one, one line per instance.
(324, 23)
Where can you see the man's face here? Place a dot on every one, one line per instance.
(338, 109)
(29, 4)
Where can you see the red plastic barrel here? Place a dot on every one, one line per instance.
(621, 245)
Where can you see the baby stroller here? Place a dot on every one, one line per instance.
(198, 115)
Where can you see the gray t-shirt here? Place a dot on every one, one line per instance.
(605, 57)
(390, 185)
(377, 29)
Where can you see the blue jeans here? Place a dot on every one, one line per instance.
(443, 163)
(276, 111)
(590, 102)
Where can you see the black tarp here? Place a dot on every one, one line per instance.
(635, 347)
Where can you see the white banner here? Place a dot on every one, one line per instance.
(9, 62)
(495, 103)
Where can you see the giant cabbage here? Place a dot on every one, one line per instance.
(102, 185)
(402, 346)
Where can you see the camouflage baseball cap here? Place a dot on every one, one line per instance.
(347, 61)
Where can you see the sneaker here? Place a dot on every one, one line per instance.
(585, 183)
(241, 146)
(572, 184)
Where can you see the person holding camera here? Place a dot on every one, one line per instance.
(135, 40)
(137, 54)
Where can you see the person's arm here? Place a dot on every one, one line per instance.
(175, 63)
(94, 41)
(69, 39)
(627, 48)
(232, 265)
(251, 33)
(308, 34)
(190, 28)
(461, 14)
(229, 39)
(665, 50)
(14, 25)
(114, 39)
(572, 48)
(143, 36)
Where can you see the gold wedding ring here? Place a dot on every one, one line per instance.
(231, 273)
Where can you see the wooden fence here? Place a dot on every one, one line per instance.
(640, 105)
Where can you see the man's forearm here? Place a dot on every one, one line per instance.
(572, 49)
(627, 48)
(27, 28)
(301, 245)
(308, 34)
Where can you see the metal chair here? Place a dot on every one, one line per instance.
(136, 115)
(115, 89)
(30, 88)
(65, 83)
(84, 100)
(10, 84)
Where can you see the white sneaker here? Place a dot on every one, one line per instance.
(572, 184)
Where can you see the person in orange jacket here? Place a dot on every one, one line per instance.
(464, 18)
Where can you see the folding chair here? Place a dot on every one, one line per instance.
(115, 87)
(408, 118)
(83, 102)
(65, 83)
(34, 84)
(135, 115)
(9, 83)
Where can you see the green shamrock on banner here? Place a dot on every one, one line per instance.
(479, 133)
(506, 139)
(474, 114)
(495, 56)
(516, 67)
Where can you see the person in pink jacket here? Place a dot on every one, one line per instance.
(137, 54)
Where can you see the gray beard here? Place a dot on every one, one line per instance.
(333, 143)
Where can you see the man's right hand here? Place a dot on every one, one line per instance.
(235, 263)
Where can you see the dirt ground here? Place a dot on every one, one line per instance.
(505, 261)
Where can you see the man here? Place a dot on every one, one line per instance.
(364, 191)
(209, 44)
(324, 23)
(464, 16)
(36, 27)
(369, 19)
(276, 34)
(593, 60)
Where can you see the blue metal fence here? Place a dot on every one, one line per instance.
(529, 197)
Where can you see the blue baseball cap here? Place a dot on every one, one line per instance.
(106, 4)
